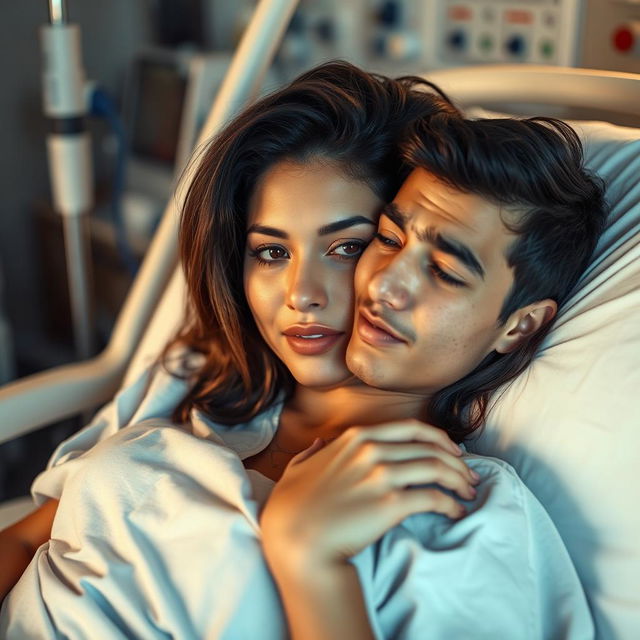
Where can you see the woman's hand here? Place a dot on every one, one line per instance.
(335, 499)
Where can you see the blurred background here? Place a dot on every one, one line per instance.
(158, 64)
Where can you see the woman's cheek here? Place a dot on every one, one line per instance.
(343, 295)
(266, 297)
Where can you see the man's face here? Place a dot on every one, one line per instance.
(429, 288)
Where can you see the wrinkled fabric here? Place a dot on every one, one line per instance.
(157, 536)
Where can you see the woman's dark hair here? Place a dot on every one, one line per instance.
(336, 113)
(534, 169)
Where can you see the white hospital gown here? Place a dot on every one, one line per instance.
(157, 536)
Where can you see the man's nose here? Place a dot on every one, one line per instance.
(394, 283)
(306, 290)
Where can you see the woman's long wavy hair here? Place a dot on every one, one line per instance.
(534, 169)
(336, 113)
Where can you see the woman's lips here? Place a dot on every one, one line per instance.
(312, 340)
(375, 336)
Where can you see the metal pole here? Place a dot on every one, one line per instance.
(57, 11)
(77, 250)
(69, 153)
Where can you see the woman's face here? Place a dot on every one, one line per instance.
(307, 226)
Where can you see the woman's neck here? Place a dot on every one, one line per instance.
(326, 413)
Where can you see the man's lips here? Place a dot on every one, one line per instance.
(376, 332)
(311, 339)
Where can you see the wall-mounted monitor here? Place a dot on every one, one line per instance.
(168, 94)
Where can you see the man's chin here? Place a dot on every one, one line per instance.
(368, 371)
(330, 380)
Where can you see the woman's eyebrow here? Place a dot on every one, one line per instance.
(268, 231)
(345, 224)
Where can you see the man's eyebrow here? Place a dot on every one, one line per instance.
(394, 214)
(454, 248)
(345, 224)
(267, 231)
(448, 245)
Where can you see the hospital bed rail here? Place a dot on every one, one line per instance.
(44, 398)
(588, 89)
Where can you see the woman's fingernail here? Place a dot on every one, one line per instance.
(474, 475)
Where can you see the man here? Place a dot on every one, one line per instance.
(482, 244)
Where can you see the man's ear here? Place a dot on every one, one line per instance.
(524, 323)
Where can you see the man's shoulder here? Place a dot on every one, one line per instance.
(504, 510)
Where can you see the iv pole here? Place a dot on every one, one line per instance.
(69, 154)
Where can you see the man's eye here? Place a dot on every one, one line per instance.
(445, 277)
(349, 250)
(388, 242)
(267, 254)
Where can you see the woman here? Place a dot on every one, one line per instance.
(160, 530)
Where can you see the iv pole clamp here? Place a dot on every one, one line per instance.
(69, 154)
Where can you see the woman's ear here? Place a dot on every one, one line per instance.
(524, 323)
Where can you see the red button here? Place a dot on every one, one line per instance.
(623, 39)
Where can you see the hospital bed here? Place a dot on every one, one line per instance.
(570, 424)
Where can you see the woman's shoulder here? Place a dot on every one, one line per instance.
(245, 438)
(148, 442)
(144, 461)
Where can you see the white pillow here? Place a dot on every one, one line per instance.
(570, 424)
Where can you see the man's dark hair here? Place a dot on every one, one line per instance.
(534, 169)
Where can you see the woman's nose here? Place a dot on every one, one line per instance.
(306, 290)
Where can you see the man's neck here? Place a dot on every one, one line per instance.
(326, 413)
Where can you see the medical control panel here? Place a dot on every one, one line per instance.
(488, 31)
(611, 36)
(415, 35)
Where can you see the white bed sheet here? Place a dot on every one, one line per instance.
(157, 536)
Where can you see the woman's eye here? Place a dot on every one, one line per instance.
(388, 242)
(445, 277)
(274, 253)
(269, 254)
(351, 249)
